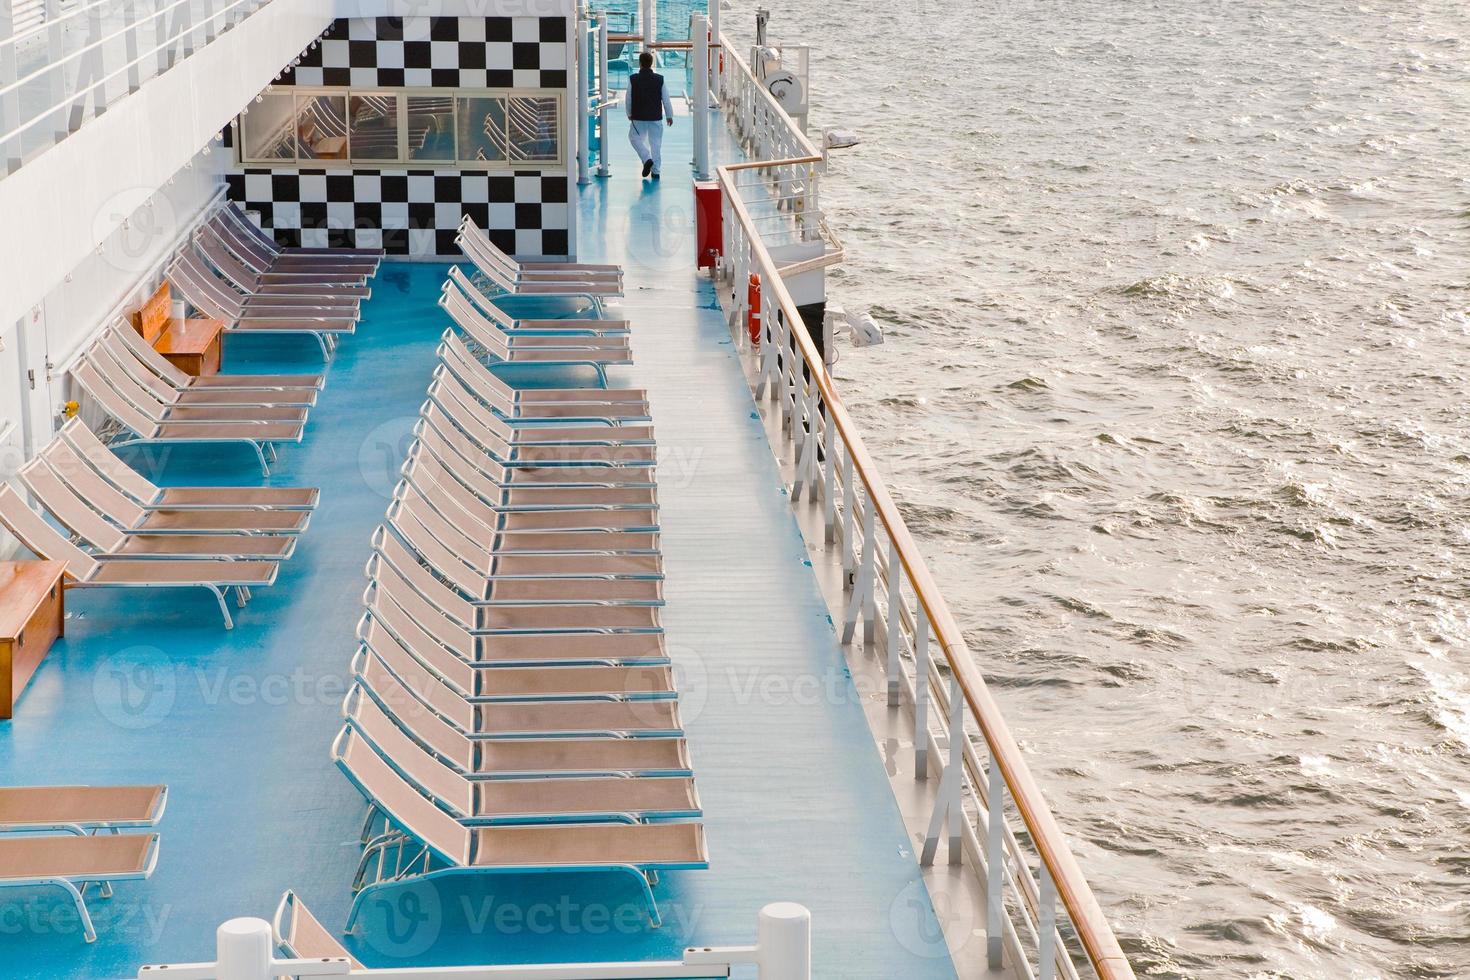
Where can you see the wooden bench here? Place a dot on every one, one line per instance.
(31, 618)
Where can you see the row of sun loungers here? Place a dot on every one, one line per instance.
(113, 528)
(73, 837)
(513, 707)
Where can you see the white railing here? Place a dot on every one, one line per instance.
(245, 950)
(80, 58)
(1041, 917)
(783, 197)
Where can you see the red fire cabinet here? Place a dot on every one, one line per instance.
(709, 219)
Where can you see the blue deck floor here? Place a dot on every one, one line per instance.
(238, 723)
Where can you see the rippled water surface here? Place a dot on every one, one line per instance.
(1175, 394)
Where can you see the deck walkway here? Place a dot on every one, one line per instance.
(149, 687)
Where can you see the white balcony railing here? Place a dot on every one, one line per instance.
(1041, 917)
(63, 62)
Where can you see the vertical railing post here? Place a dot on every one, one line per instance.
(584, 90)
(849, 501)
(1046, 926)
(604, 96)
(91, 71)
(829, 479)
(894, 622)
(921, 691)
(995, 873)
(717, 63)
(10, 149)
(947, 809)
(55, 51)
(860, 605)
(699, 38)
(648, 25)
(130, 46)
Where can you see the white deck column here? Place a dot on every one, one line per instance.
(784, 938)
(243, 950)
(698, 33)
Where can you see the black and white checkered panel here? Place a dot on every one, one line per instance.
(442, 52)
(407, 212)
(416, 212)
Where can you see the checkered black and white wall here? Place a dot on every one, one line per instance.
(415, 212)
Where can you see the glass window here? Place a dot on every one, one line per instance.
(266, 131)
(533, 122)
(481, 125)
(374, 129)
(403, 126)
(321, 127)
(430, 127)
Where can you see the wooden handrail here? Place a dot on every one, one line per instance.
(1097, 937)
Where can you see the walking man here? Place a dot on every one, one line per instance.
(647, 104)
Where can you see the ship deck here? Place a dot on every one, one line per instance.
(149, 687)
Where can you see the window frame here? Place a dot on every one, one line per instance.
(403, 161)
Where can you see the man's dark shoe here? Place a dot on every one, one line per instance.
(647, 167)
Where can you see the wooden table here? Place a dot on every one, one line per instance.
(192, 346)
(31, 618)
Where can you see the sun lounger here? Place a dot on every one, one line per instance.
(524, 487)
(494, 344)
(466, 662)
(490, 307)
(133, 516)
(558, 270)
(72, 863)
(159, 409)
(259, 436)
(260, 315)
(236, 273)
(597, 432)
(115, 349)
(503, 444)
(85, 571)
(116, 361)
(300, 936)
(407, 688)
(80, 810)
(86, 445)
(430, 843)
(474, 540)
(490, 262)
(239, 265)
(231, 212)
(519, 758)
(430, 445)
(109, 540)
(301, 386)
(475, 802)
(503, 400)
